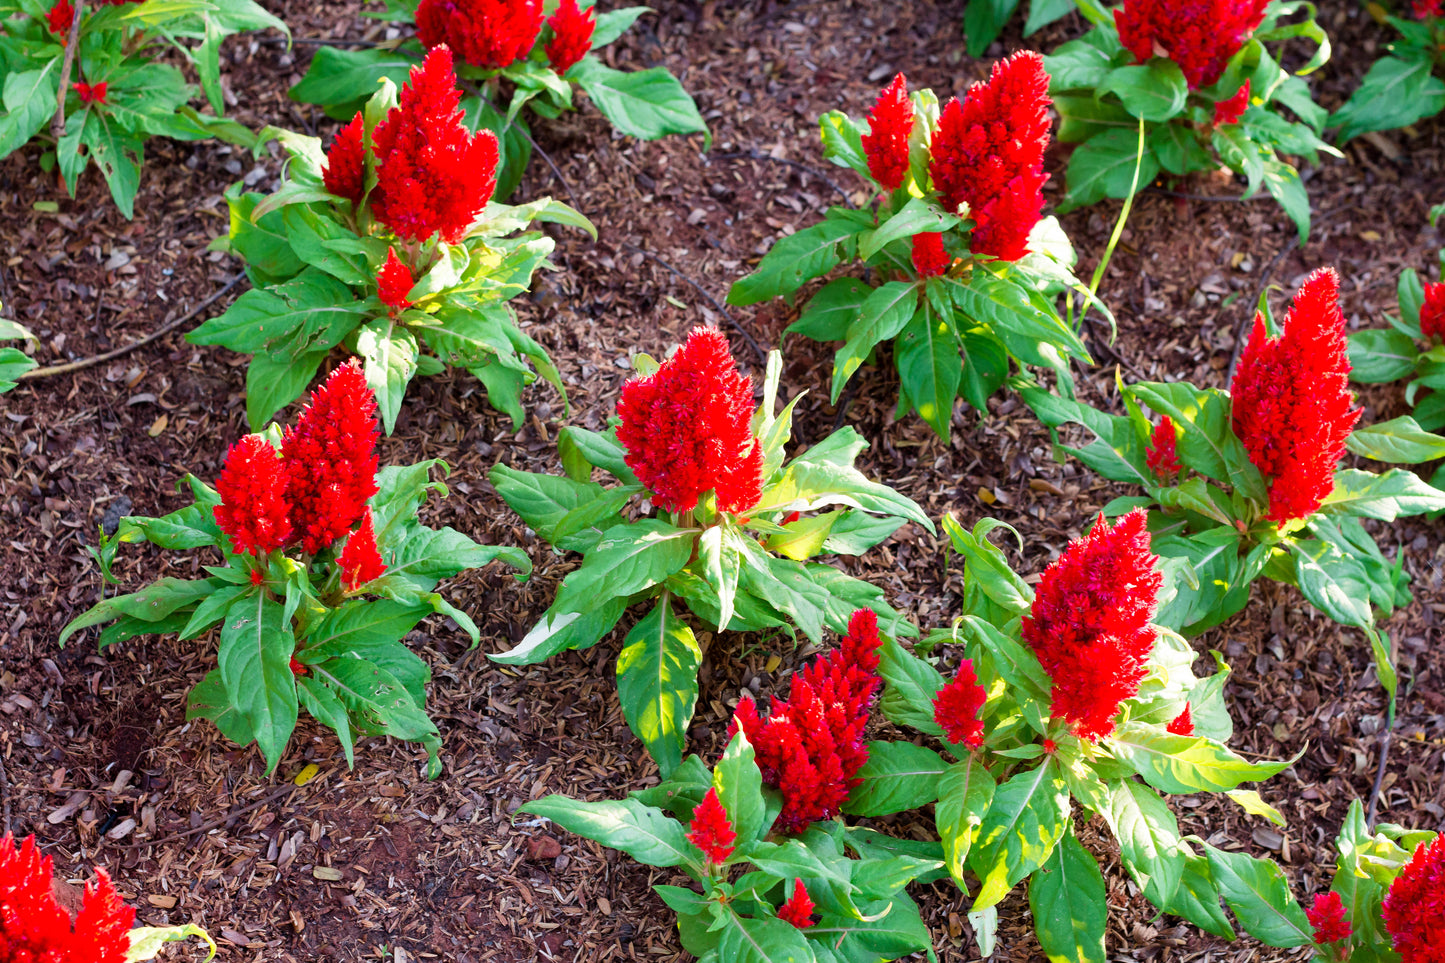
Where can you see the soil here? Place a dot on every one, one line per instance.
(378, 862)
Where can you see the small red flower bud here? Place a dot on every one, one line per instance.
(1327, 917)
(298, 669)
(1182, 724)
(1229, 111)
(798, 909)
(91, 93)
(344, 172)
(393, 283)
(1050, 746)
(256, 577)
(1432, 312)
(1161, 454)
(710, 829)
(60, 17)
(929, 258)
(360, 561)
(253, 510)
(571, 35)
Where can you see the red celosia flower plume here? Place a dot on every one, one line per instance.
(571, 35)
(1198, 35)
(687, 428)
(432, 176)
(35, 929)
(331, 459)
(1161, 454)
(798, 908)
(1426, 9)
(1432, 312)
(344, 172)
(91, 93)
(1089, 625)
(490, 34)
(394, 283)
(929, 258)
(360, 561)
(1415, 906)
(988, 153)
(1229, 110)
(60, 17)
(710, 830)
(253, 509)
(1327, 918)
(890, 123)
(957, 705)
(1182, 724)
(811, 747)
(1291, 399)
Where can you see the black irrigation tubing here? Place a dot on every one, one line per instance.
(755, 154)
(762, 355)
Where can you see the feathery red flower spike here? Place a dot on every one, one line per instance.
(1160, 454)
(957, 705)
(711, 831)
(1229, 110)
(60, 17)
(1089, 624)
(359, 560)
(393, 283)
(1290, 399)
(1327, 919)
(432, 175)
(687, 428)
(1198, 35)
(344, 172)
(253, 509)
(811, 747)
(1182, 724)
(1432, 312)
(988, 153)
(929, 258)
(571, 35)
(890, 123)
(1415, 906)
(34, 928)
(490, 34)
(330, 458)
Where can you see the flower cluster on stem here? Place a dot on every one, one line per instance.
(571, 35)
(491, 34)
(1198, 35)
(1415, 906)
(890, 123)
(957, 705)
(711, 831)
(34, 928)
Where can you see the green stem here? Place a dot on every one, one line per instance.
(1123, 217)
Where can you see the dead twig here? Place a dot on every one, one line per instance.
(762, 355)
(57, 369)
(72, 43)
(214, 823)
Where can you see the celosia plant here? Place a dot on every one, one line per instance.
(117, 94)
(1379, 355)
(1077, 700)
(1246, 483)
(813, 888)
(1175, 87)
(326, 569)
(1387, 898)
(34, 928)
(726, 528)
(1402, 87)
(391, 244)
(967, 268)
(532, 51)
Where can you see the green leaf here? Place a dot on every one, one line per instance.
(29, 99)
(1197, 899)
(1070, 905)
(1203, 415)
(1381, 354)
(897, 776)
(303, 313)
(1400, 441)
(255, 663)
(856, 532)
(721, 557)
(1284, 185)
(893, 929)
(1335, 583)
(1258, 893)
(318, 699)
(646, 103)
(965, 794)
(1117, 452)
(910, 687)
(1044, 12)
(389, 353)
(578, 446)
(559, 629)
(377, 703)
(1154, 92)
(1394, 93)
(1385, 496)
(372, 629)
(275, 380)
(918, 216)
(542, 500)
(881, 317)
(146, 941)
(927, 355)
(1103, 166)
(645, 834)
(1029, 327)
(767, 940)
(1185, 764)
(739, 786)
(1029, 815)
(151, 604)
(796, 259)
(614, 23)
(829, 312)
(1149, 841)
(1178, 149)
(657, 682)
(342, 80)
(630, 558)
(983, 21)
(208, 700)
